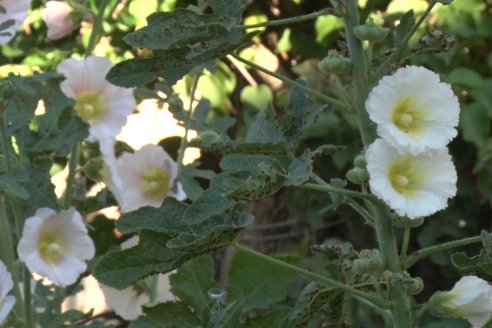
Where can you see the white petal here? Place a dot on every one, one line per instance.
(14, 10)
(6, 307)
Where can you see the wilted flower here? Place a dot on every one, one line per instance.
(6, 284)
(16, 12)
(142, 178)
(470, 298)
(128, 302)
(413, 110)
(104, 106)
(56, 17)
(412, 185)
(56, 246)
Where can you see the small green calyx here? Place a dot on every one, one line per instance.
(50, 247)
(409, 116)
(371, 32)
(334, 63)
(90, 107)
(155, 183)
(441, 305)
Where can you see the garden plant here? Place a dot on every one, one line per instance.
(332, 165)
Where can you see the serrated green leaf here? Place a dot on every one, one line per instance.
(479, 265)
(209, 204)
(264, 128)
(166, 315)
(407, 21)
(315, 300)
(10, 184)
(254, 284)
(170, 242)
(193, 281)
(300, 170)
(175, 29)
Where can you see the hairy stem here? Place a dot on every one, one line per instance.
(286, 21)
(184, 141)
(424, 252)
(314, 93)
(322, 279)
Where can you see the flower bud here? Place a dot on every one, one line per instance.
(209, 136)
(357, 175)
(470, 298)
(414, 286)
(360, 161)
(334, 63)
(371, 32)
(370, 261)
(56, 17)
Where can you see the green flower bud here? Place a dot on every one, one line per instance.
(370, 261)
(209, 136)
(414, 286)
(371, 32)
(357, 175)
(335, 63)
(441, 305)
(360, 161)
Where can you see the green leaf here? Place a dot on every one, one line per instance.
(166, 30)
(210, 203)
(465, 76)
(193, 281)
(315, 300)
(166, 315)
(231, 8)
(254, 284)
(479, 265)
(256, 97)
(300, 170)
(264, 128)
(167, 241)
(407, 21)
(10, 185)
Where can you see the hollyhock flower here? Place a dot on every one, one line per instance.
(6, 285)
(470, 298)
(56, 17)
(128, 302)
(413, 110)
(15, 11)
(56, 245)
(142, 178)
(104, 106)
(412, 185)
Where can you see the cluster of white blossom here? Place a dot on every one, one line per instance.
(409, 165)
(56, 245)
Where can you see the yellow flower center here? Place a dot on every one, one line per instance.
(406, 176)
(90, 107)
(409, 116)
(50, 246)
(155, 183)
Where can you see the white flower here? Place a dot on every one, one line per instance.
(413, 110)
(104, 106)
(412, 185)
(142, 178)
(55, 16)
(6, 284)
(470, 298)
(15, 10)
(56, 246)
(128, 302)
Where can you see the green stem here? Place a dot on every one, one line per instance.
(361, 210)
(401, 307)
(379, 71)
(329, 188)
(327, 99)
(420, 254)
(322, 279)
(96, 28)
(406, 240)
(184, 140)
(286, 21)
(72, 170)
(359, 73)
